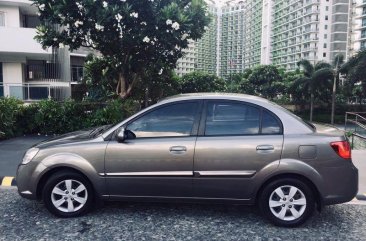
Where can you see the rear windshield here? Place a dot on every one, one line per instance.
(307, 123)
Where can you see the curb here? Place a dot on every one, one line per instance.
(7, 181)
(361, 197)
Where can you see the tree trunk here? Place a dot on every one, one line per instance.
(146, 97)
(311, 106)
(333, 98)
(124, 89)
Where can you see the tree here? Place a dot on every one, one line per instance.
(355, 71)
(266, 80)
(240, 83)
(201, 82)
(131, 35)
(337, 65)
(316, 77)
(98, 78)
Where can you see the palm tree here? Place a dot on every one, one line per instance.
(337, 65)
(355, 71)
(315, 77)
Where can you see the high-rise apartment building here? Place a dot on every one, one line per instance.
(207, 46)
(186, 64)
(240, 36)
(282, 32)
(27, 71)
(301, 30)
(357, 39)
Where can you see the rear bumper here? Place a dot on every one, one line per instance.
(341, 184)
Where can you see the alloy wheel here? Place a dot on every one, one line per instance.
(287, 203)
(69, 195)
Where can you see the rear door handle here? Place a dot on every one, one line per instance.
(178, 149)
(265, 148)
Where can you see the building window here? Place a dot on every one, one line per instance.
(2, 19)
(363, 45)
(325, 36)
(324, 55)
(1, 72)
(326, 17)
(327, 8)
(1, 80)
(325, 45)
(325, 26)
(363, 33)
(30, 21)
(77, 73)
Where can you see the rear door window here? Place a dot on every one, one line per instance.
(229, 118)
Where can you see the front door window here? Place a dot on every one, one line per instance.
(170, 121)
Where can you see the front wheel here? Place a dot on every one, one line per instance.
(287, 202)
(68, 194)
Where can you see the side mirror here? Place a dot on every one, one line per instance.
(121, 135)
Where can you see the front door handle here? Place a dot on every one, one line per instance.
(265, 148)
(178, 149)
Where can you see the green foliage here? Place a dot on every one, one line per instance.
(51, 117)
(267, 81)
(201, 82)
(99, 78)
(9, 109)
(355, 73)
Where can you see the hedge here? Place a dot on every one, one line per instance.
(50, 117)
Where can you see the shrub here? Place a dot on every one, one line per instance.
(9, 110)
(51, 117)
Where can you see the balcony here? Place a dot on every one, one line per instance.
(20, 40)
(35, 92)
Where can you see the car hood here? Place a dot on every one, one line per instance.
(72, 137)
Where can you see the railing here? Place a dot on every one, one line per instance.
(34, 92)
(355, 128)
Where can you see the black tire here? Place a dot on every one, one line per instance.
(58, 179)
(305, 190)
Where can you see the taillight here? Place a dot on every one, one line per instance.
(342, 148)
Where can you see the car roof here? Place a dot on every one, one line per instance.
(218, 95)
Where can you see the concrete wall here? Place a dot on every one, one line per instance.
(12, 16)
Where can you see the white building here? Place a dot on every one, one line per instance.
(282, 32)
(27, 71)
(357, 39)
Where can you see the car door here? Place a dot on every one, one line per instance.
(236, 141)
(158, 160)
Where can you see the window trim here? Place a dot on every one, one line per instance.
(194, 130)
(202, 126)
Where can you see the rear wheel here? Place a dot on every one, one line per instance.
(68, 194)
(287, 202)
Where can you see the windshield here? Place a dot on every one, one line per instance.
(99, 130)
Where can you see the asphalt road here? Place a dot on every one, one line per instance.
(22, 219)
(12, 151)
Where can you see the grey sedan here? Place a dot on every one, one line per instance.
(222, 148)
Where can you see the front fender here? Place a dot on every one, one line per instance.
(76, 162)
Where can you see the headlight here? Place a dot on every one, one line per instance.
(29, 155)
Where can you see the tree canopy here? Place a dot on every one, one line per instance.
(131, 35)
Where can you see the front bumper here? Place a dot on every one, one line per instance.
(27, 179)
